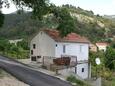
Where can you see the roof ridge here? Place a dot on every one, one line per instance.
(71, 37)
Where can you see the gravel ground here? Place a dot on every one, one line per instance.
(8, 80)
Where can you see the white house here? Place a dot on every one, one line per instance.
(93, 48)
(50, 43)
(15, 41)
(102, 46)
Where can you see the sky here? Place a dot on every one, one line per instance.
(11, 9)
(101, 7)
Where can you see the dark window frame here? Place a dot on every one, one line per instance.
(64, 48)
(34, 46)
(31, 52)
(83, 69)
(33, 58)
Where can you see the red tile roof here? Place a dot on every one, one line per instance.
(102, 44)
(72, 37)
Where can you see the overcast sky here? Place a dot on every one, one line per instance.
(102, 7)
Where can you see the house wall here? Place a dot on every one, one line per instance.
(102, 47)
(93, 48)
(45, 46)
(67, 72)
(81, 50)
(15, 41)
(82, 74)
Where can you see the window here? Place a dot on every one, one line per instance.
(64, 48)
(75, 70)
(81, 48)
(82, 69)
(31, 52)
(33, 58)
(34, 46)
(38, 57)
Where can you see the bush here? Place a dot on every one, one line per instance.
(78, 82)
(106, 74)
(71, 79)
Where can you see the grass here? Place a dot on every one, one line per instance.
(109, 82)
(24, 54)
(76, 81)
(2, 73)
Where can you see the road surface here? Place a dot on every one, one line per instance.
(29, 76)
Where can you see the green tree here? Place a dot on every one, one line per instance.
(39, 7)
(98, 70)
(94, 55)
(113, 44)
(23, 44)
(2, 49)
(15, 50)
(1, 19)
(4, 45)
(66, 22)
(110, 58)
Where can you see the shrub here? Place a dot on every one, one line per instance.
(71, 79)
(78, 82)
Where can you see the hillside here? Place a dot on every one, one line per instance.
(94, 27)
(109, 16)
(18, 25)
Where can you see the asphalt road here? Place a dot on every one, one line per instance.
(29, 76)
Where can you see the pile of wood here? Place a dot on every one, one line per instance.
(62, 61)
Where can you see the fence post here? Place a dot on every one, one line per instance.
(43, 61)
(57, 71)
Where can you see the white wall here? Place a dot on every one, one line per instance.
(73, 49)
(82, 54)
(84, 74)
(102, 47)
(69, 71)
(45, 46)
